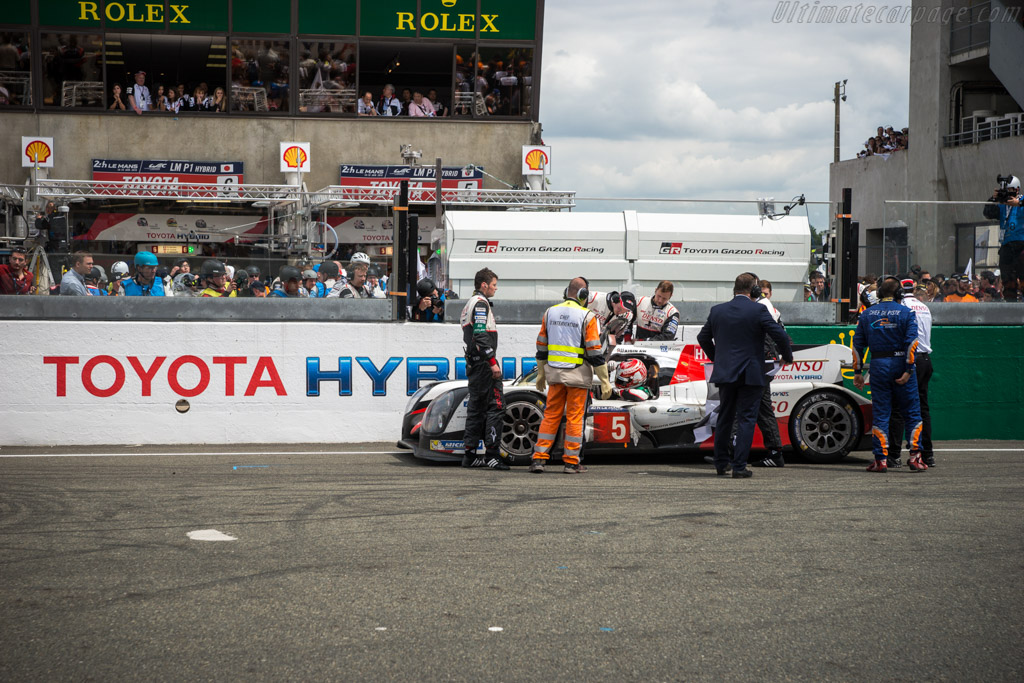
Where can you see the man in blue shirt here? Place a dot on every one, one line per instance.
(73, 282)
(1011, 239)
(889, 330)
(145, 282)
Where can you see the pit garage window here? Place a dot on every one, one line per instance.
(15, 69)
(72, 66)
(327, 77)
(260, 76)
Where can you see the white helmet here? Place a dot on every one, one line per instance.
(360, 257)
(1014, 183)
(631, 373)
(119, 269)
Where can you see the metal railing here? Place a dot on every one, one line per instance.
(992, 128)
(93, 189)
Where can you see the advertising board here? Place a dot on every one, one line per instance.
(163, 177)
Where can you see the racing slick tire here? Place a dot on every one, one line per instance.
(524, 411)
(825, 426)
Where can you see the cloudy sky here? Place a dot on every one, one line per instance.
(662, 98)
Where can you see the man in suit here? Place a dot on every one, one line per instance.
(733, 339)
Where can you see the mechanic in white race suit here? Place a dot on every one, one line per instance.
(656, 318)
(616, 312)
(486, 406)
(923, 370)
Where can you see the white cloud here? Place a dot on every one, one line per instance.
(710, 100)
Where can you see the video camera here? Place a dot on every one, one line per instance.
(1003, 193)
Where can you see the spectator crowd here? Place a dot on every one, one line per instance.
(358, 279)
(982, 287)
(885, 142)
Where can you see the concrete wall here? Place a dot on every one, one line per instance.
(78, 138)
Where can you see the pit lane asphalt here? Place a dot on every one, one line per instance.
(645, 568)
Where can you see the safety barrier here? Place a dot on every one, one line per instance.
(134, 381)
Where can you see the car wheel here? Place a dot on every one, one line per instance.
(524, 412)
(825, 426)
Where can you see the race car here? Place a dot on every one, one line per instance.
(817, 415)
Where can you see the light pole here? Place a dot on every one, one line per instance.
(839, 95)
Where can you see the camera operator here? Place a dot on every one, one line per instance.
(1006, 206)
(429, 307)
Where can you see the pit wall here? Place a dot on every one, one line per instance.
(120, 383)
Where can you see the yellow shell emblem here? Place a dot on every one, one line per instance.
(295, 157)
(536, 160)
(38, 151)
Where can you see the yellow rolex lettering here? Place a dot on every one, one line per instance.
(405, 21)
(444, 23)
(86, 9)
(154, 13)
(131, 14)
(111, 9)
(179, 14)
(429, 17)
(466, 22)
(489, 26)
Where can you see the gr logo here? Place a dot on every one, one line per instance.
(671, 248)
(485, 247)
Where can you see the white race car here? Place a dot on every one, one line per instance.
(816, 414)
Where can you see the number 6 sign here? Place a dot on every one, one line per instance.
(611, 428)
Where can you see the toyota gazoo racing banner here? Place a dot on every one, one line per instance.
(457, 182)
(165, 178)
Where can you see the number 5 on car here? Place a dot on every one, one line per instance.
(611, 428)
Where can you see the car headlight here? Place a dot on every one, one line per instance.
(438, 413)
(414, 399)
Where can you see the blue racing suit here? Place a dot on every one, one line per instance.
(889, 330)
(132, 287)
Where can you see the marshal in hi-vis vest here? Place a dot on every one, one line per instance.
(569, 343)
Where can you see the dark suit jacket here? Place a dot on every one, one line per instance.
(733, 339)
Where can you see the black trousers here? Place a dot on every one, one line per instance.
(767, 422)
(485, 410)
(739, 405)
(1011, 268)
(923, 369)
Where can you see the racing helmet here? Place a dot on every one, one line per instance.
(360, 257)
(213, 268)
(146, 258)
(119, 269)
(631, 373)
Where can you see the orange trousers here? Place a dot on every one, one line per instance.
(568, 401)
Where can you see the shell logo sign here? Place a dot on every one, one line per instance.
(536, 160)
(37, 152)
(294, 157)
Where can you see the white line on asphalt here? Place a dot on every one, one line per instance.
(978, 450)
(231, 453)
(210, 535)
